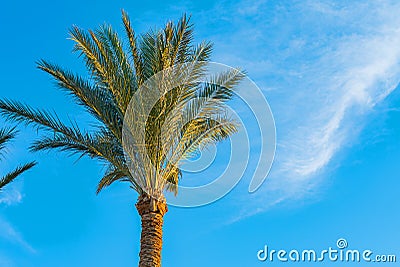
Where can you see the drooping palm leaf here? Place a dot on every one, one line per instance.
(8, 178)
(6, 135)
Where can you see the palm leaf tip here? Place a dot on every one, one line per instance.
(111, 176)
(8, 178)
(6, 135)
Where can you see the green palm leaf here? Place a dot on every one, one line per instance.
(6, 135)
(8, 178)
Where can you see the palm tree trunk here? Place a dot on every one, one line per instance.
(152, 213)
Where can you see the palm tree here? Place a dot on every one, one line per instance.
(116, 72)
(6, 135)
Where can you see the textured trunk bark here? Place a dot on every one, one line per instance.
(152, 213)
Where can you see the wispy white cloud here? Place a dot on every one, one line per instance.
(366, 71)
(5, 261)
(324, 67)
(9, 233)
(12, 195)
(339, 83)
(251, 7)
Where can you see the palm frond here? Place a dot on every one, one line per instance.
(97, 101)
(119, 66)
(135, 52)
(14, 174)
(221, 85)
(199, 133)
(181, 41)
(95, 60)
(6, 135)
(111, 176)
(100, 60)
(40, 119)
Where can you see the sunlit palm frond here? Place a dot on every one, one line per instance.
(119, 65)
(98, 101)
(106, 60)
(134, 51)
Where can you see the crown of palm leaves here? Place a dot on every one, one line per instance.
(117, 71)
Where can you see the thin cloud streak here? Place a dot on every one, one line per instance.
(11, 196)
(5, 261)
(323, 68)
(352, 92)
(8, 232)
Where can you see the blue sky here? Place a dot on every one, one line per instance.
(330, 72)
